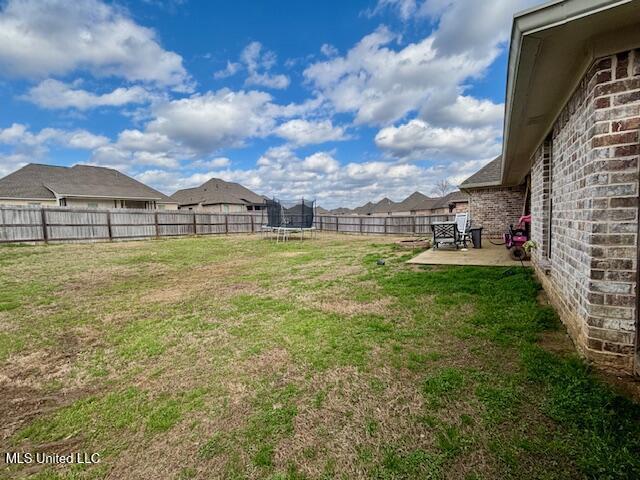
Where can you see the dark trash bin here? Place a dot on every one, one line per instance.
(476, 237)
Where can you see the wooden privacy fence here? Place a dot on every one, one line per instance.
(63, 224)
(390, 225)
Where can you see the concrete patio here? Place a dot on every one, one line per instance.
(489, 255)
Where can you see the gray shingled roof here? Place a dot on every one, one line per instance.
(384, 206)
(489, 175)
(415, 201)
(217, 191)
(36, 181)
(453, 197)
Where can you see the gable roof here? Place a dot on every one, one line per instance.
(385, 205)
(452, 197)
(487, 176)
(415, 201)
(217, 191)
(44, 182)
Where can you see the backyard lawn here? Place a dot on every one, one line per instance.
(236, 357)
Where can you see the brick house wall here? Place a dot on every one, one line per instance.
(494, 209)
(584, 203)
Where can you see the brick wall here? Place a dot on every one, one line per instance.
(584, 193)
(494, 209)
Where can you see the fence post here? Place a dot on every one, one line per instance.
(360, 224)
(45, 234)
(252, 226)
(155, 219)
(226, 223)
(385, 225)
(415, 228)
(195, 224)
(109, 225)
(337, 224)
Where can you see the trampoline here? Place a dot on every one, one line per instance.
(285, 218)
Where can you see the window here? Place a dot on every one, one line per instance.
(63, 202)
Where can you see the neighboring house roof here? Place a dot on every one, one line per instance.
(341, 211)
(384, 206)
(217, 191)
(366, 209)
(36, 181)
(552, 48)
(487, 176)
(415, 201)
(449, 198)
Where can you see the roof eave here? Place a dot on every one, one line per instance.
(525, 25)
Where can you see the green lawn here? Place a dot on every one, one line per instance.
(235, 357)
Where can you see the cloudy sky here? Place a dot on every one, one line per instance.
(344, 101)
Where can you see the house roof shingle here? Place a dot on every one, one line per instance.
(489, 175)
(217, 191)
(37, 181)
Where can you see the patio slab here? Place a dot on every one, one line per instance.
(489, 255)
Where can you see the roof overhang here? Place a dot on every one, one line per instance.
(552, 47)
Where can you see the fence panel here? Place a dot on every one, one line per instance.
(21, 224)
(25, 224)
(63, 224)
(132, 224)
(239, 223)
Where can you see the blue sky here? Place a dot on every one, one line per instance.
(344, 101)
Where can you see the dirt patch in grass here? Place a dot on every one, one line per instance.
(345, 416)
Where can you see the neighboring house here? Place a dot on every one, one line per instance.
(218, 196)
(571, 152)
(81, 186)
(383, 208)
(454, 202)
(415, 204)
(491, 205)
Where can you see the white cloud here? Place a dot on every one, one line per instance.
(280, 172)
(214, 120)
(328, 50)
(135, 140)
(467, 111)
(53, 94)
(55, 37)
(304, 132)
(404, 8)
(258, 62)
(417, 139)
(212, 163)
(20, 136)
(230, 70)
(321, 162)
(381, 85)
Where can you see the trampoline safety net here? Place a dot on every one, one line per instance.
(290, 214)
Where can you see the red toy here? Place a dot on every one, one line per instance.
(515, 238)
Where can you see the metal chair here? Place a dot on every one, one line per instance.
(463, 224)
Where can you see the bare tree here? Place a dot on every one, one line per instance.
(442, 187)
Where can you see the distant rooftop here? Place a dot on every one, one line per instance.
(217, 191)
(44, 182)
